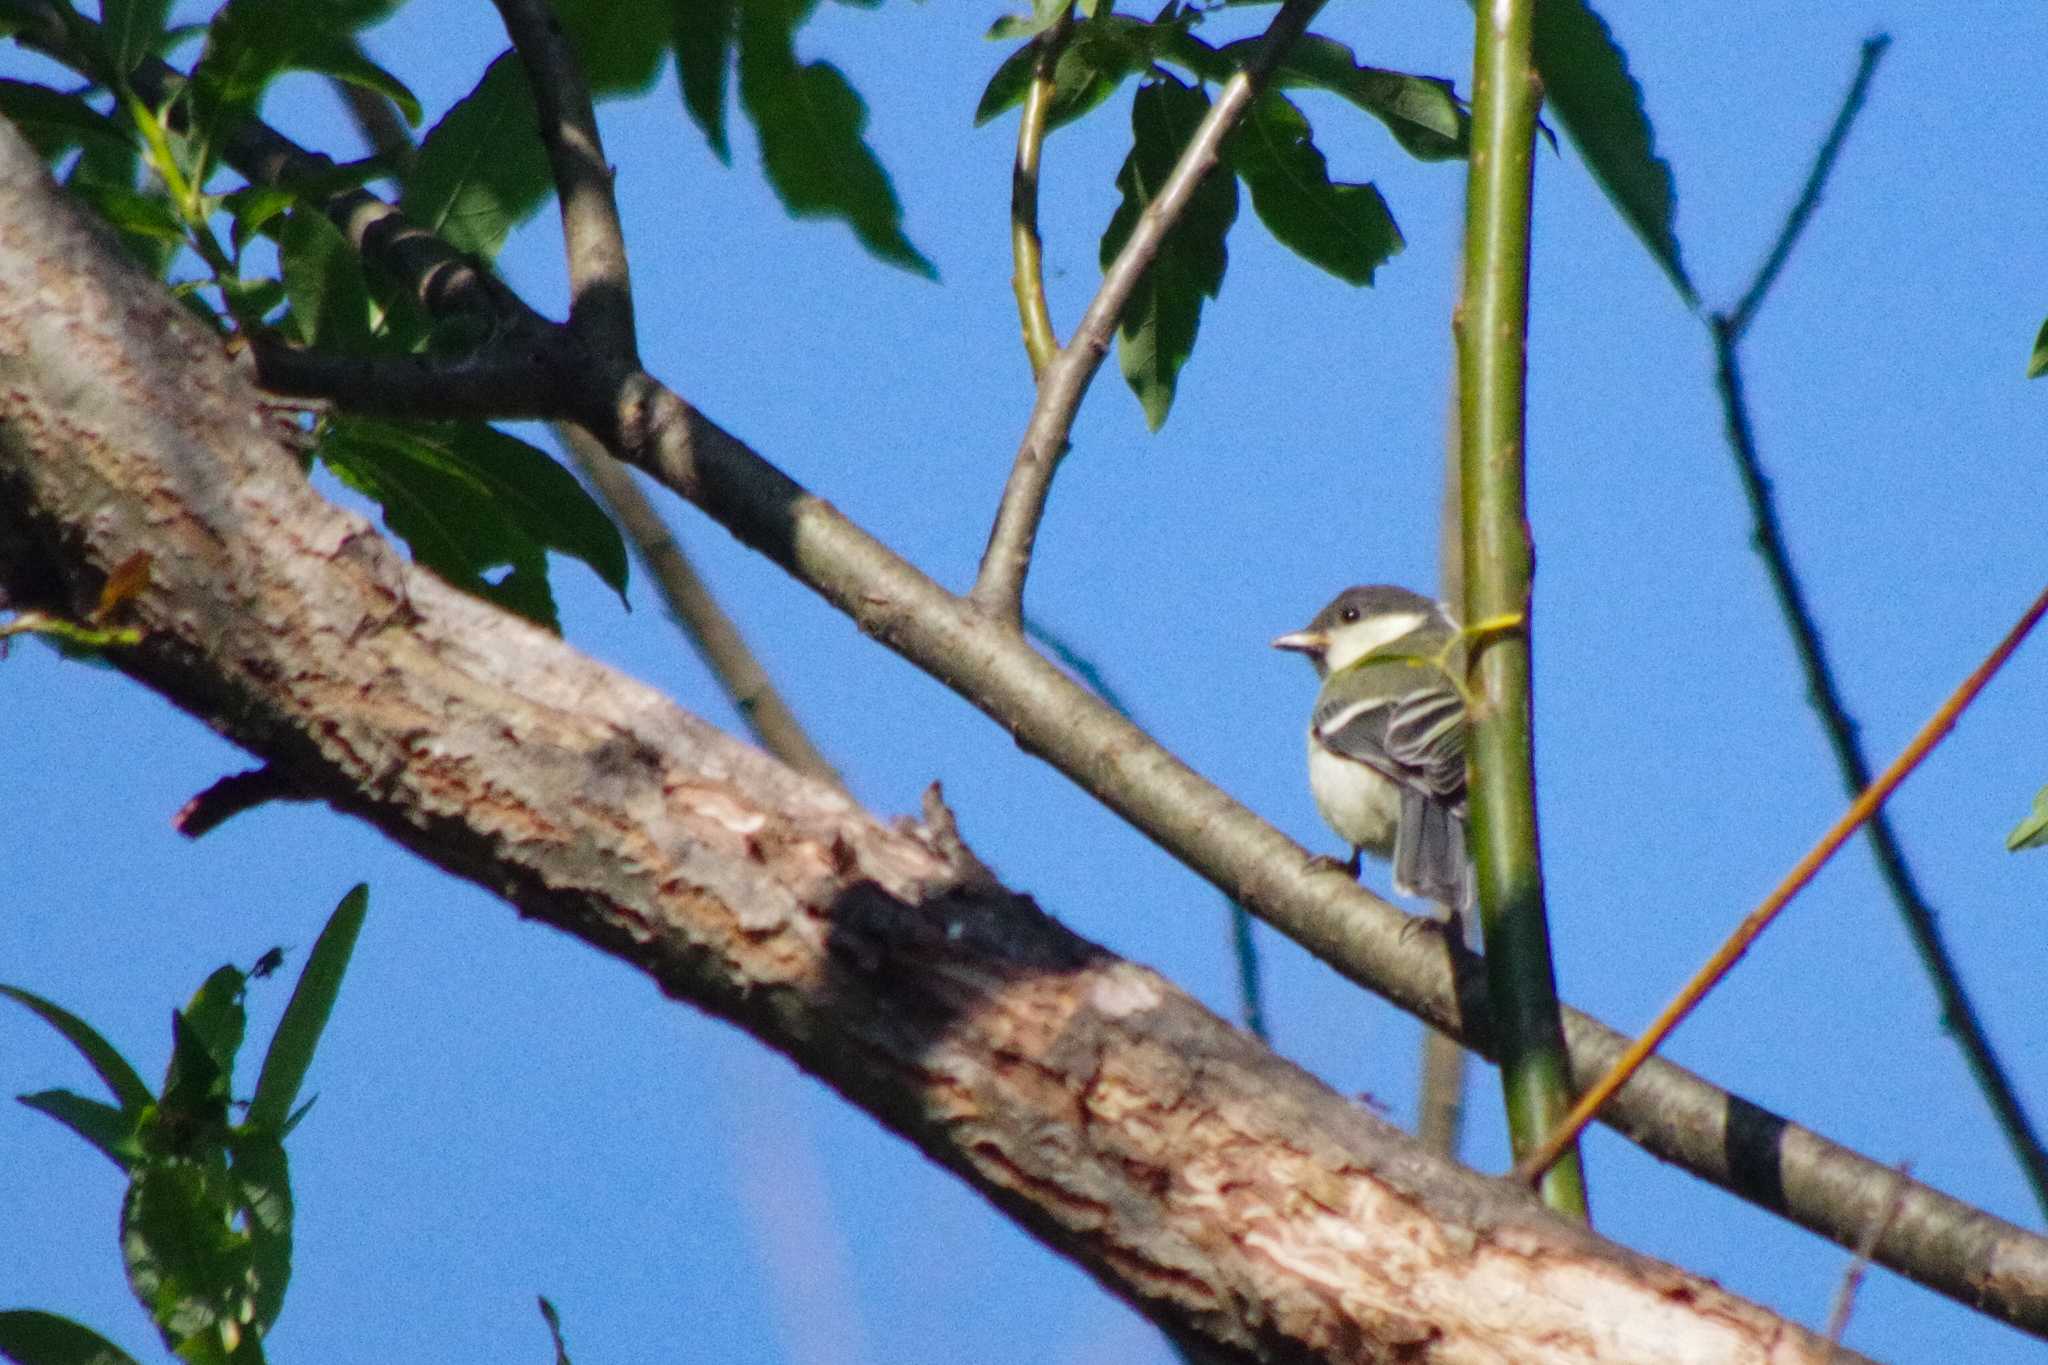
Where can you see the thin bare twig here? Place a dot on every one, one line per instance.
(999, 587)
(1809, 197)
(1958, 1013)
(711, 631)
(1759, 919)
(600, 284)
(1027, 252)
(1859, 1264)
(1939, 1241)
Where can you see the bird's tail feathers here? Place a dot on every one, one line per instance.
(1430, 858)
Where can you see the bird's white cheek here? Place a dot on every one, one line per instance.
(1359, 804)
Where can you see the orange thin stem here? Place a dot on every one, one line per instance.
(1531, 1167)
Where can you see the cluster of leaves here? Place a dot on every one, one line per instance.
(206, 1226)
(1344, 228)
(480, 507)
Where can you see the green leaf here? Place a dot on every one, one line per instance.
(1586, 84)
(469, 500)
(705, 33)
(618, 43)
(54, 121)
(1345, 229)
(217, 1017)
(1044, 14)
(342, 58)
(1422, 112)
(251, 209)
(131, 29)
(110, 1130)
(110, 1066)
(263, 1191)
(323, 281)
(32, 1337)
(249, 43)
(1097, 58)
(2031, 832)
(1158, 330)
(2037, 363)
(135, 214)
(481, 170)
(298, 1032)
(186, 1263)
(809, 121)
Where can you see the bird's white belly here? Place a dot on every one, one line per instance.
(1362, 806)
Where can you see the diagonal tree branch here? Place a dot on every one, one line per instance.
(1062, 383)
(1252, 1212)
(1938, 1241)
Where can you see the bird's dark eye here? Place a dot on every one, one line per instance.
(1350, 614)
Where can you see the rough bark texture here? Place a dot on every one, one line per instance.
(1240, 1203)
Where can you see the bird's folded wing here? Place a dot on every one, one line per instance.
(1375, 713)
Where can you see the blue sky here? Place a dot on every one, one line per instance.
(503, 1112)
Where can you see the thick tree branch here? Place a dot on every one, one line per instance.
(1247, 1208)
(999, 587)
(1938, 1241)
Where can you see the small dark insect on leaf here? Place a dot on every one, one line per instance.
(268, 963)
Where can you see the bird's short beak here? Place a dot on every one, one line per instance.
(1304, 641)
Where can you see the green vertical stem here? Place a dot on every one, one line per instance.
(1492, 332)
(1026, 250)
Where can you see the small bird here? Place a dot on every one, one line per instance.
(1386, 742)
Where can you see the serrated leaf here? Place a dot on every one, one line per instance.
(1099, 56)
(545, 500)
(469, 501)
(1346, 229)
(324, 283)
(618, 43)
(2037, 363)
(298, 1032)
(109, 1065)
(110, 1130)
(1423, 113)
(706, 32)
(1587, 85)
(54, 121)
(809, 121)
(481, 171)
(1158, 330)
(29, 1335)
(2031, 832)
